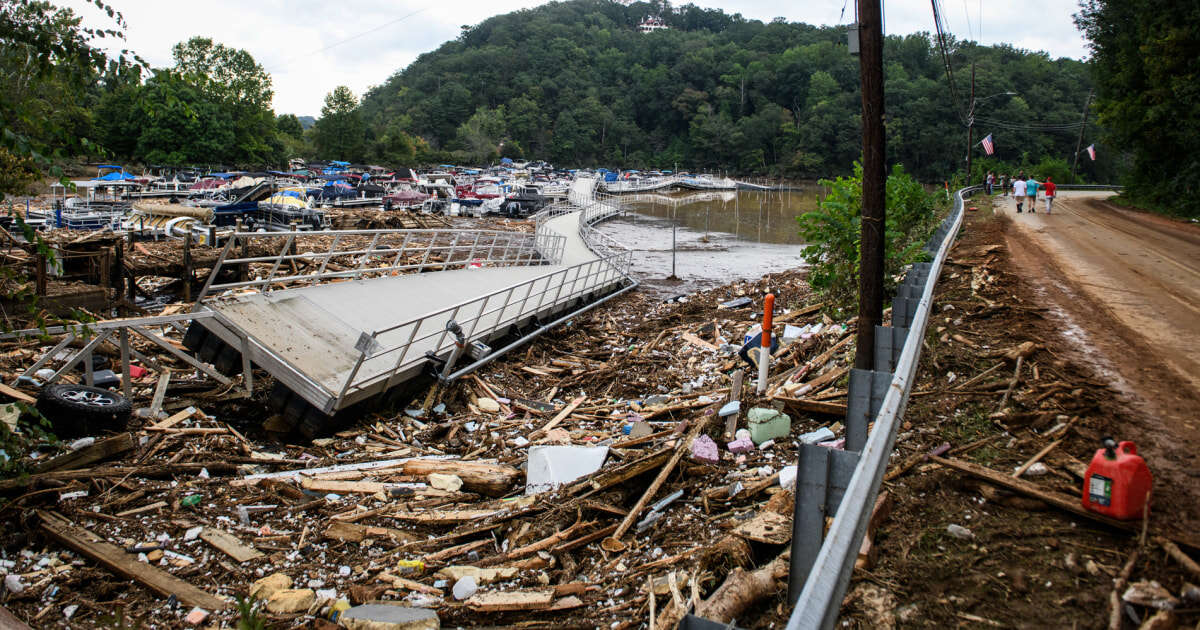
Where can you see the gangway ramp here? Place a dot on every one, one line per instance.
(376, 309)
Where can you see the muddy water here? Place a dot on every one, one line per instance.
(719, 236)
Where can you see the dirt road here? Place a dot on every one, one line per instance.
(1124, 288)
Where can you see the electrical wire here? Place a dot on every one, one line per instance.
(354, 37)
(939, 24)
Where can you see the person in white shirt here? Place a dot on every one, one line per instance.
(1018, 188)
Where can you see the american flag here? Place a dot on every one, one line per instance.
(988, 147)
(1092, 152)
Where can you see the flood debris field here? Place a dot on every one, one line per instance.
(203, 501)
(589, 480)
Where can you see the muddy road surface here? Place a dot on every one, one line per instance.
(1124, 289)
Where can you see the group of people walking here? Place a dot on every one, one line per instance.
(1024, 189)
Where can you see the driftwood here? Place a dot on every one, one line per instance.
(743, 589)
(490, 479)
(1114, 598)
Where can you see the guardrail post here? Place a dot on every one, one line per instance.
(864, 397)
(822, 475)
(889, 341)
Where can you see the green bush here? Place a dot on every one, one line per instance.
(833, 231)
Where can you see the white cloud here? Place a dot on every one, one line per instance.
(303, 43)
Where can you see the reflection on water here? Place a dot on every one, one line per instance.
(720, 236)
(765, 217)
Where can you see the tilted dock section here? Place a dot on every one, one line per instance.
(378, 310)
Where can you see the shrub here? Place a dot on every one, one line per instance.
(833, 232)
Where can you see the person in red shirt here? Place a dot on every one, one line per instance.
(1049, 187)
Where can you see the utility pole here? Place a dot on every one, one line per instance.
(1082, 128)
(870, 282)
(971, 124)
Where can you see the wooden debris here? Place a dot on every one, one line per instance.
(13, 392)
(229, 544)
(101, 450)
(500, 601)
(1033, 460)
(116, 560)
(353, 532)
(766, 527)
(482, 477)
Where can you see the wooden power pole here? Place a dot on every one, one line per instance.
(870, 285)
(971, 125)
(1082, 128)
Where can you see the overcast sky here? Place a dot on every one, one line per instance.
(312, 46)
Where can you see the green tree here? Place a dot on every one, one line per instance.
(289, 125)
(48, 62)
(340, 132)
(482, 133)
(231, 78)
(1146, 63)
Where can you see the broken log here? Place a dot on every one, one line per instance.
(743, 589)
(486, 478)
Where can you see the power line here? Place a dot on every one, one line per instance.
(354, 37)
(939, 25)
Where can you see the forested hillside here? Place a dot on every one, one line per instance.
(575, 82)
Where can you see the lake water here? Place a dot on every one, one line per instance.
(719, 236)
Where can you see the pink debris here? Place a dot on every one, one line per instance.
(743, 445)
(704, 450)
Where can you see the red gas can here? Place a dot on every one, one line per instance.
(1117, 482)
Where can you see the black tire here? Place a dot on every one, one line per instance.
(228, 361)
(315, 424)
(279, 397)
(294, 411)
(80, 409)
(210, 348)
(193, 339)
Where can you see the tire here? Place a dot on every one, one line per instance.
(80, 409)
(228, 361)
(279, 398)
(315, 424)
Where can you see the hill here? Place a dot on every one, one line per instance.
(577, 83)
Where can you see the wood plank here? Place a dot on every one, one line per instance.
(345, 487)
(1069, 503)
(813, 406)
(353, 532)
(13, 392)
(145, 508)
(735, 395)
(499, 601)
(443, 517)
(160, 392)
(126, 565)
(229, 544)
(696, 341)
(88, 455)
(559, 417)
(174, 419)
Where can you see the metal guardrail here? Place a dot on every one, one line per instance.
(356, 254)
(506, 307)
(819, 603)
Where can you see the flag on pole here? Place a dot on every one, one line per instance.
(988, 147)
(1092, 152)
